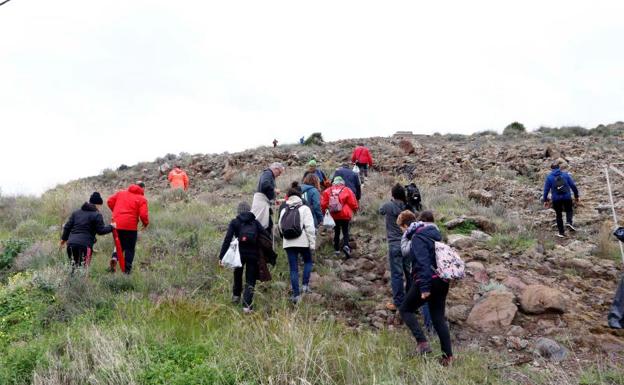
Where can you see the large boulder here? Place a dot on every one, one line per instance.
(460, 241)
(550, 349)
(538, 299)
(495, 311)
(458, 313)
(483, 197)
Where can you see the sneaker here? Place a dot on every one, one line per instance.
(446, 360)
(247, 310)
(236, 299)
(306, 289)
(347, 251)
(570, 226)
(112, 266)
(561, 235)
(336, 253)
(423, 348)
(295, 299)
(615, 324)
(390, 306)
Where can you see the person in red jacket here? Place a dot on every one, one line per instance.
(178, 178)
(342, 205)
(128, 207)
(362, 158)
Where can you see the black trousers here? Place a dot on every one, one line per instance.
(561, 206)
(437, 305)
(341, 225)
(78, 255)
(617, 309)
(128, 240)
(250, 266)
(363, 169)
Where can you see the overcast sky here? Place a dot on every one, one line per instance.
(87, 85)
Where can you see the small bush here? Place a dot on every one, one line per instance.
(30, 229)
(10, 249)
(109, 174)
(486, 133)
(514, 129)
(316, 139)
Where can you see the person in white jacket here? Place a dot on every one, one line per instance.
(299, 239)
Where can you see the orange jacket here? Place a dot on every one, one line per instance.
(128, 206)
(178, 178)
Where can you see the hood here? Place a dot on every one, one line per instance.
(429, 230)
(177, 171)
(306, 187)
(294, 200)
(556, 172)
(88, 207)
(136, 189)
(246, 217)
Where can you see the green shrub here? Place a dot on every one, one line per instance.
(514, 129)
(30, 229)
(10, 249)
(314, 139)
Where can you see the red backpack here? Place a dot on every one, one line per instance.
(334, 200)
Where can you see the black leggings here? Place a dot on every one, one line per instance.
(560, 207)
(128, 240)
(79, 255)
(251, 275)
(437, 303)
(341, 225)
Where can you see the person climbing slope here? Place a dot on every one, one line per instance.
(178, 178)
(266, 194)
(560, 185)
(342, 205)
(311, 193)
(362, 158)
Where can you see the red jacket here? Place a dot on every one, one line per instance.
(347, 199)
(178, 179)
(128, 206)
(362, 155)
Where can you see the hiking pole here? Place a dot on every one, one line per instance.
(613, 209)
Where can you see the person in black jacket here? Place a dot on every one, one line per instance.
(352, 180)
(248, 231)
(427, 287)
(80, 230)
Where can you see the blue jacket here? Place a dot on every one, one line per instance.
(550, 186)
(352, 180)
(313, 196)
(423, 254)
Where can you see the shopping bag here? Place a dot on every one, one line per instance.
(232, 259)
(356, 169)
(328, 221)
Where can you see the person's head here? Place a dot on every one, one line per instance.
(398, 193)
(426, 216)
(338, 181)
(176, 166)
(405, 219)
(277, 168)
(312, 165)
(558, 163)
(96, 199)
(361, 144)
(312, 180)
(140, 183)
(294, 190)
(243, 207)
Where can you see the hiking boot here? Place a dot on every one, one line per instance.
(423, 348)
(336, 253)
(446, 360)
(236, 299)
(112, 266)
(390, 306)
(570, 226)
(247, 310)
(347, 251)
(561, 235)
(615, 324)
(306, 289)
(295, 299)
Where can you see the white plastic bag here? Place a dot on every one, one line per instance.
(328, 221)
(232, 259)
(356, 169)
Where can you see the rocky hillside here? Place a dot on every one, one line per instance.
(524, 284)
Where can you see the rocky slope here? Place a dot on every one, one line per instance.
(524, 289)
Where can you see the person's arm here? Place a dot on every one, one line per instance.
(144, 213)
(112, 200)
(67, 229)
(324, 200)
(170, 176)
(370, 159)
(352, 201)
(383, 209)
(573, 186)
(353, 156)
(267, 186)
(547, 187)
(308, 227)
(227, 240)
(100, 227)
(358, 188)
(316, 205)
(186, 181)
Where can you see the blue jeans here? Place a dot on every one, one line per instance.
(293, 261)
(400, 277)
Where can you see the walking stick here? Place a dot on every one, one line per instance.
(119, 252)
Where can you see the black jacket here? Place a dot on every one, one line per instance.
(352, 180)
(248, 251)
(83, 225)
(266, 184)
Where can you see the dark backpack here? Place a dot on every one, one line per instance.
(248, 233)
(619, 234)
(414, 199)
(561, 185)
(290, 224)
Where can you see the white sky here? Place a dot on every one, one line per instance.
(86, 85)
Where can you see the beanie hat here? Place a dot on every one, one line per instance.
(338, 180)
(312, 163)
(243, 207)
(96, 199)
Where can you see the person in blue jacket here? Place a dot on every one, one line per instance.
(351, 179)
(560, 185)
(311, 193)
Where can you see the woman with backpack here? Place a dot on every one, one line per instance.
(342, 204)
(428, 287)
(311, 190)
(248, 231)
(296, 225)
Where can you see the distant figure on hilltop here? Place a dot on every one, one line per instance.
(178, 178)
(560, 185)
(128, 207)
(275, 143)
(362, 158)
(80, 230)
(302, 140)
(266, 194)
(351, 179)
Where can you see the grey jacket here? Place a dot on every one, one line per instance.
(391, 211)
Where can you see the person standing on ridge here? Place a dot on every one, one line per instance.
(128, 207)
(275, 143)
(342, 205)
(362, 158)
(80, 230)
(178, 178)
(560, 185)
(351, 179)
(266, 194)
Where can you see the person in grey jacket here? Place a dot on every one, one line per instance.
(400, 267)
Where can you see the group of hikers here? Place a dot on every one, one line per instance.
(309, 205)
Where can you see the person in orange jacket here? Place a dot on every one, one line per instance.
(128, 207)
(362, 158)
(341, 203)
(178, 178)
